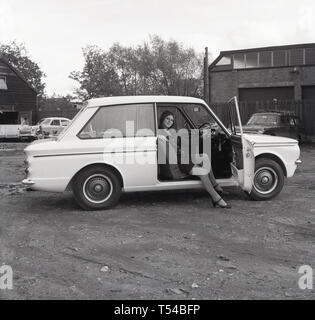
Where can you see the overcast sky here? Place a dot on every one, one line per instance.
(54, 32)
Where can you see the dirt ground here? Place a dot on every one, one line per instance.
(156, 245)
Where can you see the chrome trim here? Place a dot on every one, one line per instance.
(28, 182)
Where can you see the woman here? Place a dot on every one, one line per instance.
(168, 143)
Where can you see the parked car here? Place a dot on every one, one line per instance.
(284, 124)
(46, 127)
(90, 159)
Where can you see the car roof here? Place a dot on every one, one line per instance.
(278, 112)
(95, 102)
(286, 113)
(55, 118)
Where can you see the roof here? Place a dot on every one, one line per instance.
(140, 99)
(278, 112)
(4, 60)
(55, 118)
(283, 47)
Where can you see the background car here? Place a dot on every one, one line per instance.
(281, 123)
(46, 127)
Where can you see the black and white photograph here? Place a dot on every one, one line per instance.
(158, 151)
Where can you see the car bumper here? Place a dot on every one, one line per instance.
(28, 182)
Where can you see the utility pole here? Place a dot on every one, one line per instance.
(206, 77)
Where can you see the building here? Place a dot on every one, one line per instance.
(18, 100)
(281, 76)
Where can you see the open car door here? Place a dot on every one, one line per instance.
(243, 165)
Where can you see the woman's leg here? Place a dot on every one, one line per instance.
(214, 182)
(210, 189)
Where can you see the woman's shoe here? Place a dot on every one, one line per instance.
(217, 204)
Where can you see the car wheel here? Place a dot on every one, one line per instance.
(268, 179)
(96, 188)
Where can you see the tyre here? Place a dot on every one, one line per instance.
(268, 179)
(96, 188)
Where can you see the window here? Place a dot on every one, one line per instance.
(198, 114)
(55, 123)
(3, 83)
(310, 56)
(45, 122)
(263, 119)
(279, 58)
(64, 123)
(296, 57)
(252, 60)
(120, 121)
(265, 59)
(239, 61)
(226, 60)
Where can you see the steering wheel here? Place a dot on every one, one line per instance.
(210, 132)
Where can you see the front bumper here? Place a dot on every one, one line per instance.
(28, 182)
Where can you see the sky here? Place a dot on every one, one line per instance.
(54, 32)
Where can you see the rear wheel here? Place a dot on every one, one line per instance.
(268, 179)
(96, 188)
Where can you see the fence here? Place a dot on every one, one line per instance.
(304, 109)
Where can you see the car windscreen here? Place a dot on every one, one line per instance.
(263, 119)
(46, 121)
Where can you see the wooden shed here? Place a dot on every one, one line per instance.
(18, 100)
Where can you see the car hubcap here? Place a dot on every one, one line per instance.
(97, 188)
(265, 180)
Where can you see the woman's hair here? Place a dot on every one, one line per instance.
(163, 116)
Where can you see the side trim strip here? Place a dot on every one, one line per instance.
(89, 153)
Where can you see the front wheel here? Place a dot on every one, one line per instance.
(268, 179)
(96, 188)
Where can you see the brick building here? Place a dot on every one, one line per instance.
(281, 76)
(282, 72)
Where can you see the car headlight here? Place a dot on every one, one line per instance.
(260, 131)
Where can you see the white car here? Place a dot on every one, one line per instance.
(44, 128)
(111, 147)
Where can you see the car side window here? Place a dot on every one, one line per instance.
(198, 114)
(120, 121)
(181, 120)
(55, 123)
(64, 123)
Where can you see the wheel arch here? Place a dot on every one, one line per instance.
(275, 158)
(104, 165)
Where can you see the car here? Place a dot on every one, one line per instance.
(44, 128)
(280, 123)
(110, 147)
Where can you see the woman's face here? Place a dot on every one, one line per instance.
(168, 122)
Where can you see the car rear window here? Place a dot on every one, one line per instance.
(111, 121)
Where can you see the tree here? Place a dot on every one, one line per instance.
(99, 77)
(17, 55)
(154, 67)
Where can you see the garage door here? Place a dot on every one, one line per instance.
(266, 94)
(308, 93)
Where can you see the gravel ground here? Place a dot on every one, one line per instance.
(156, 245)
